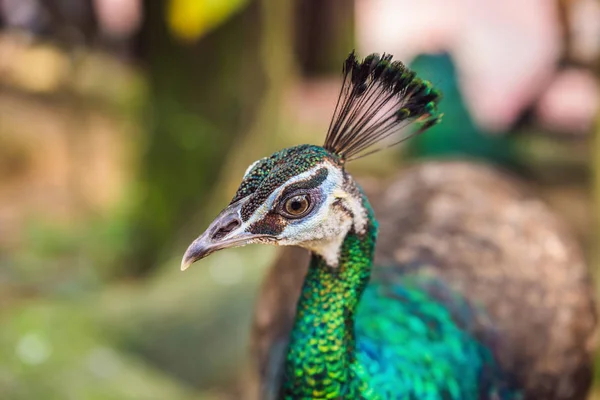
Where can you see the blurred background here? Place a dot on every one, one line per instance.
(126, 125)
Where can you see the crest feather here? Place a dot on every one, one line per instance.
(379, 97)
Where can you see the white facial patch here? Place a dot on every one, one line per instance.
(323, 231)
(354, 204)
(331, 223)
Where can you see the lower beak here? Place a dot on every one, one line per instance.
(223, 233)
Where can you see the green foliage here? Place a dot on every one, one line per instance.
(192, 118)
(68, 258)
(191, 324)
(166, 338)
(56, 350)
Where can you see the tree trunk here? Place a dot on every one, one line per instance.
(201, 95)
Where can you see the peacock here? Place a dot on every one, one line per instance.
(424, 323)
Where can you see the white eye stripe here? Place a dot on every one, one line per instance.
(276, 195)
(329, 182)
(281, 194)
(333, 179)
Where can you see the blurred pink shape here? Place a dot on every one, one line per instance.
(505, 51)
(571, 102)
(119, 18)
(313, 101)
(19, 13)
(585, 30)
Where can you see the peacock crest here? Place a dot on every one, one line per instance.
(379, 97)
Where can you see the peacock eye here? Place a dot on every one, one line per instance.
(297, 206)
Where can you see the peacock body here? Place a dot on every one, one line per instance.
(417, 326)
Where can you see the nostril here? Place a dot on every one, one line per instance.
(232, 225)
(226, 228)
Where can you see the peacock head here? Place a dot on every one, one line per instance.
(303, 195)
(297, 196)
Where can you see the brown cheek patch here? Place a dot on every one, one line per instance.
(271, 224)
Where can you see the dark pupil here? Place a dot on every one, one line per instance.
(296, 205)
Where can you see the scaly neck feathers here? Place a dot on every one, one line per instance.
(321, 358)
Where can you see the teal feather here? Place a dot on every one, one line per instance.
(459, 135)
(412, 347)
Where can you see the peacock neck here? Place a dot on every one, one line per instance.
(321, 356)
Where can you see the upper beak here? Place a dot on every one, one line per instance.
(224, 232)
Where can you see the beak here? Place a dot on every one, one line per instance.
(225, 232)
